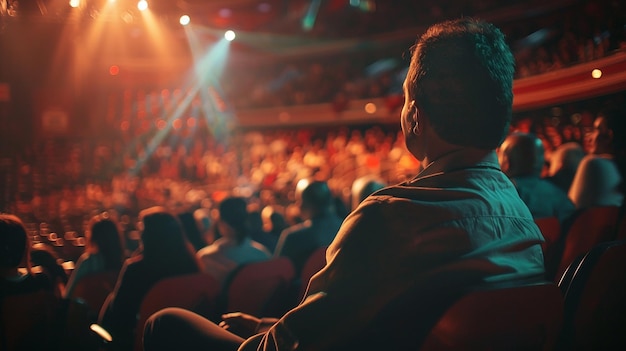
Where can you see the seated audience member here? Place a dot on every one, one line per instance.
(564, 163)
(165, 252)
(258, 232)
(24, 324)
(319, 228)
(234, 247)
(104, 251)
(273, 224)
(192, 231)
(15, 252)
(203, 223)
(364, 187)
(599, 180)
(521, 159)
(43, 256)
(459, 222)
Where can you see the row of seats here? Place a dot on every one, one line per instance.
(585, 309)
(266, 288)
(585, 229)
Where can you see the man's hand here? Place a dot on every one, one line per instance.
(241, 324)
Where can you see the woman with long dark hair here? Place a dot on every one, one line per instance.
(165, 253)
(104, 251)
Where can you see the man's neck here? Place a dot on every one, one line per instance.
(445, 149)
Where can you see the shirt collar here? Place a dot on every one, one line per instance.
(458, 160)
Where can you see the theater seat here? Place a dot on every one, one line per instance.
(196, 292)
(589, 228)
(550, 227)
(313, 264)
(595, 300)
(93, 289)
(29, 321)
(513, 318)
(260, 288)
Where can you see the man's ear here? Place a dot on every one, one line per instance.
(415, 117)
(413, 110)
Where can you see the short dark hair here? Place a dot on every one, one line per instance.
(234, 211)
(317, 197)
(461, 76)
(14, 242)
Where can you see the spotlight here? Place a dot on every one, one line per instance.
(229, 35)
(142, 5)
(74, 3)
(184, 20)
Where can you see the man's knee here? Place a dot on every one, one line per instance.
(160, 327)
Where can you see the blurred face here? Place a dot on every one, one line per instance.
(600, 137)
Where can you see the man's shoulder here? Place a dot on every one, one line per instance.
(297, 229)
(597, 163)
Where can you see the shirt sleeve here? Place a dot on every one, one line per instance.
(336, 307)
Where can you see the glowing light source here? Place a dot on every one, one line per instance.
(596, 73)
(191, 122)
(74, 3)
(114, 70)
(102, 332)
(370, 108)
(230, 35)
(142, 5)
(184, 20)
(161, 124)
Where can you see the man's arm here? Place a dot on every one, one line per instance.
(346, 294)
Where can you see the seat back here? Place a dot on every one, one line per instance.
(512, 318)
(197, 292)
(29, 321)
(550, 227)
(261, 288)
(93, 289)
(595, 303)
(621, 227)
(313, 264)
(591, 227)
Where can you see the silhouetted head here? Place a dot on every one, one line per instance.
(14, 243)
(316, 199)
(43, 255)
(566, 158)
(364, 187)
(163, 238)
(105, 238)
(521, 155)
(460, 79)
(608, 132)
(233, 212)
